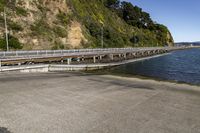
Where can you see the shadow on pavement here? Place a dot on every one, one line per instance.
(4, 130)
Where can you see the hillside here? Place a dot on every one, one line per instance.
(66, 24)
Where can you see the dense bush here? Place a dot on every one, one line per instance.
(134, 39)
(13, 43)
(21, 11)
(40, 28)
(60, 32)
(64, 18)
(14, 26)
(2, 4)
(112, 3)
(8, 4)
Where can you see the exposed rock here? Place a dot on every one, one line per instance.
(75, 35)
(40, 22)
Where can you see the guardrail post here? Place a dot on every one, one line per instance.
(100, 57)
(69, 61)
(62, 60)
(111, 56)
(0, 66)
(94, 59)
(125, 55)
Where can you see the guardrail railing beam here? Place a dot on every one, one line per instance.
(77, 51)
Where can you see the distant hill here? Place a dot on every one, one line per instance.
(69, 24)
(188, 43)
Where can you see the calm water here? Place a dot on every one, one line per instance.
(181, 66)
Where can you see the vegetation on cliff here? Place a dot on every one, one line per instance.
(63, 24)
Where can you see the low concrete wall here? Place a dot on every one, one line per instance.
(76, 67)
(28, 68)
(54, 68)
(33, 69)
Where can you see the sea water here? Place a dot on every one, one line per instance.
(180, 66)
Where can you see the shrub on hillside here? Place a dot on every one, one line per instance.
(12, 41)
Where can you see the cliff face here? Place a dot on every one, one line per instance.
(64, 24)
(44, 24)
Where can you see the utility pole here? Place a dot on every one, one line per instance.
(102, 33)
(6, 29)
(102, 36)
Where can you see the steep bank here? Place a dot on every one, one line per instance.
(65, 24)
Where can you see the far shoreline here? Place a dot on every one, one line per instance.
(141, 77)
(154, 81)
(146, 78)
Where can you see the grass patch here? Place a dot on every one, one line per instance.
(14, 26)
(40, 28)
(21, 11)
(60, 32)
(64, 18)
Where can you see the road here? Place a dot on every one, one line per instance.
(77, 52)
(80, 56)
(84, 103)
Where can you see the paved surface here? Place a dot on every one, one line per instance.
(81, 103)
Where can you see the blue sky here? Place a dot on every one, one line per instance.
(182, 17)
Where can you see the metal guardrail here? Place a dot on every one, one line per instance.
(40, 54)
(74, 51)
(46, 53)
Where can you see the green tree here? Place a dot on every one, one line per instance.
(112, 3)
(134, 15)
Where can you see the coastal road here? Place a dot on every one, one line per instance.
(89, 103)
